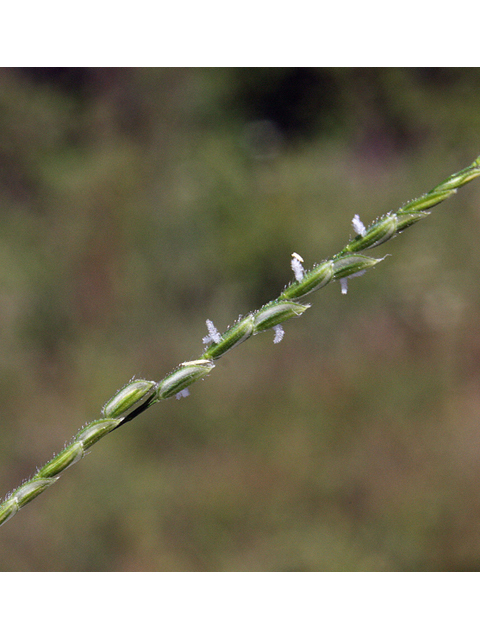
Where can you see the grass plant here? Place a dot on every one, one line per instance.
(138, 395)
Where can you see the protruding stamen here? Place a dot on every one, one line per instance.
(344, 281)
(297, 266)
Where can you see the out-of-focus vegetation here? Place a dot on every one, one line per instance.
(136, 203)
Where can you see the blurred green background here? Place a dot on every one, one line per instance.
(137, 203)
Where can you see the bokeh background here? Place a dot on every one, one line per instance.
(137, 203)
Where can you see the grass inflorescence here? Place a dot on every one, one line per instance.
(139, 395)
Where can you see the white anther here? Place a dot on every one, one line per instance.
(297, 266)
(213, 334)
(358, 225)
